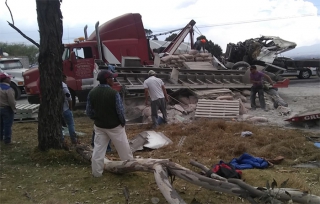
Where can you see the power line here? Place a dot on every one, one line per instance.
(252, 21)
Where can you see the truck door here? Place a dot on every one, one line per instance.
(82, 66)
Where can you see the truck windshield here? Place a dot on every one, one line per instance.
(83, 52)
(65, 54)
(10, 64)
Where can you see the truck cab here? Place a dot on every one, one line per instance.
(120, 37)
(14, 67)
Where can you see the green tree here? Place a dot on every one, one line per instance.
(214, 49)
(20, 49)
(171, 37)
(149, 34)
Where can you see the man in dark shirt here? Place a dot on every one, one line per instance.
(256, 78)
(105, 107)
(7, 108)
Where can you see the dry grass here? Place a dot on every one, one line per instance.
(30, 176)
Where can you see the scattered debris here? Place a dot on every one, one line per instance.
(258, 119)
(246, 134)
(283, 111)
(65, 132)
(149, 139)
(179, 108)
(181, 141)
(310, 164)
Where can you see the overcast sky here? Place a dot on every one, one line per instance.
(221, 21)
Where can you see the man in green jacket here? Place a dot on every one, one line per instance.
(105, 107)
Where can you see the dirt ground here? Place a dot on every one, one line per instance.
(300, 96)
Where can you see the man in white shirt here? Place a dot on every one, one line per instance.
(67, 113)
(154, 87)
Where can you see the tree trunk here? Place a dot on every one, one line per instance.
(50, 68)
(164, 167)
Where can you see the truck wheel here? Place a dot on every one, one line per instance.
(34, 99)
(305, 74)
(241, 66)
(318, 71)
(17, 91)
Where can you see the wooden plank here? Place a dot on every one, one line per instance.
(217, 108)
(225, 117)
(18, 117)
(217, 114)
(217, 111)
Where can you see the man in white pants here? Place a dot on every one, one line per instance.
(105, 107)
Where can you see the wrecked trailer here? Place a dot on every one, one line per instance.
(264, 51)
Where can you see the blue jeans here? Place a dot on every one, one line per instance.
(254, 91)
(160, 103)
(6, 119)
(68, 118)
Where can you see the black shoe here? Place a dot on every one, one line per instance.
(253, 108)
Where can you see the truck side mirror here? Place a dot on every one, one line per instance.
(73, 57)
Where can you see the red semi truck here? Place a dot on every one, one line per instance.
(122, 41)
(121, 36)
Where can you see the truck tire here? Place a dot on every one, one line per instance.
(34, 99)
(305, 74)
(241, 66)
(17, 91)
(318, 71)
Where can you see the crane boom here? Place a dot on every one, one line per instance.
(176, 42)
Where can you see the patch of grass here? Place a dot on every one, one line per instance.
(58, 176)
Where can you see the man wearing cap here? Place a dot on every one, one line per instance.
(7, 108)
(154, 87)
(105, 107)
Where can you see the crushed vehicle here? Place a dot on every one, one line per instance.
(264, 51)
(14, 67)
(122, 43)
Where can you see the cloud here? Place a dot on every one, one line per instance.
(186, 4)
(221, 21)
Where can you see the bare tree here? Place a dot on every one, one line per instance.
(50, 68)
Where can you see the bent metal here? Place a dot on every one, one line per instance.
(312, 117)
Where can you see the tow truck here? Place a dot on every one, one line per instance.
(15, 69)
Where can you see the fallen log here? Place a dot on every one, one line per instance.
(162, 168)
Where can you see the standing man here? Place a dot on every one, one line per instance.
(67, 113)
(256, 78)
(105, 107)
(154, 87)
(7, 108)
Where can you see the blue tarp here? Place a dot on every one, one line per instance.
(246, 161)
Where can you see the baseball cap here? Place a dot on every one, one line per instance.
(106, 74)
(151, 72)
(4, 75)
